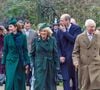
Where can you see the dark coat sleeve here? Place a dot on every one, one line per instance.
(70, 37)
(32, 52)
(55, 54)
(5, 50)
(59, 44)
(25, 52)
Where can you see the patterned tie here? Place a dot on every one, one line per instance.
(90, 36)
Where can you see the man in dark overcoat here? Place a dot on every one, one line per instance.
(66, 37)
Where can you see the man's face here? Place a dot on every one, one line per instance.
(27, 26)
(55, 27)
(64, 22)
(91, 28)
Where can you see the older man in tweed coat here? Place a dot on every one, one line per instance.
(86, 57)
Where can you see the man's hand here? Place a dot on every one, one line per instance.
(62, 59)
(76, 64)
(63, 28)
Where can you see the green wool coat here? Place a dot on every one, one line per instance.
(45, 58)
(15, 70)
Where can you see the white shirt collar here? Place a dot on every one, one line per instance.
(69, 27)
(27, 30)
(90, 36)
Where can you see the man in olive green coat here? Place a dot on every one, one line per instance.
(86, 57)
(15, 59)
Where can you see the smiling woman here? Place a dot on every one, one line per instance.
(15, 58)
(44, 55)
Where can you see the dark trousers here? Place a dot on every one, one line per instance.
(74, 76)
(28, 77)
(66, 85)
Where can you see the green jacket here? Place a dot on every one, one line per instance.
(15, 74)
(44, 55)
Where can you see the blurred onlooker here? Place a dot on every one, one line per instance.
(98, 30)
(55, 29)
(30, 34)
(73, 21)
(2, 75)
(20, 25)
(3, 29)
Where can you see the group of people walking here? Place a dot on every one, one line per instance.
(35, 58)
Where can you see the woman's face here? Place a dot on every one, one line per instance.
(12, 28)
(44, 34)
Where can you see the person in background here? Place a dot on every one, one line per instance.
(66, 37)
(73, 21)
(45, 58)
(55, 29)
(15, 57)
(30, 34)
(2, 71)
(20, 25)
(98, 30)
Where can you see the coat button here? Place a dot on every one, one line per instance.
(88, 56)
(94, 48)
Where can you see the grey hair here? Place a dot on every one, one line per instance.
(89, 22)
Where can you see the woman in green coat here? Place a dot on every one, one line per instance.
(45, 58)
(15, 58)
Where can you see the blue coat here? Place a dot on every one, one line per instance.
(65, 44)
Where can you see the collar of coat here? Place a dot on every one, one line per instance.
(86, 39)
(39, 38)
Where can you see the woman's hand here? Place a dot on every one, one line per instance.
(62, 59)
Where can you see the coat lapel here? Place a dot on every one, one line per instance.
(92, 41)
(86, 39)
(45, 45)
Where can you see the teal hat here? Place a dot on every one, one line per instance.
(12, 21)
(41, 26)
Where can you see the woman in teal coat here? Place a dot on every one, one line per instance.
(45, 58)
(15, 58)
